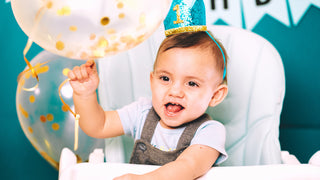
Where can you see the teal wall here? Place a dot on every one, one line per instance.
(19, 160)
(300, 121)
(299, 48)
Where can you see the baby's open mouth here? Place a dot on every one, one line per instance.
(174, 108)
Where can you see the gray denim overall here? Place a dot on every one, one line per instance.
(145, 153)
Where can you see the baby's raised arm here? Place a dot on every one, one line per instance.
(94, 121)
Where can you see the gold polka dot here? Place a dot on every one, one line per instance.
(121, 15)
(59, 36)
(120, 5)
(28, 74)
(126, 39)
(84, 55)
(42, 69)
(69, 54)
(30, 129)
(142, 19)
(64, 11)
(141, 38)
(73, 28)
(55, 126)
(49, 117)
(113, 37)
(43, 118)
(32, 98)
(92, 36)
(111, 31)
(103, 42)
(64, 108)
(98, 53)
(65, 71)
(60, 45)
(104, 21)
(113, 48)
(23, 111)
(49, 5)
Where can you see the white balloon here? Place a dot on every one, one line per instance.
(82, 29)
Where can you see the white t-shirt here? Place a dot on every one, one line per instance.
(210, 133)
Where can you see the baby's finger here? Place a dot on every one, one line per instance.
(83, 71)
(91, 67)
(90, 63)
(77, 73)
(71, 75)
(94, 66)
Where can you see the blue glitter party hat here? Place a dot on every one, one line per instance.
(188, 16)
(185, 16)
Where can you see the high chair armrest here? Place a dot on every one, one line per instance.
(315, 159)
(67, 161)
(288, 158)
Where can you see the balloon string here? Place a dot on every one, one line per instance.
(33, 71)
(76, 116)
(27, 48)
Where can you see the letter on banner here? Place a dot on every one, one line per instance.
(224, 10)
(255, 10)
(213, 4)
(261, 2)
(299, 8)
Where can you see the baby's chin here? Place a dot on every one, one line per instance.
(171, 123)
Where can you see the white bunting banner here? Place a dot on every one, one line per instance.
(254, 10)
(299, 8)
(229, 12)
(247, 13)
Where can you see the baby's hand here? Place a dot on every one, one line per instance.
(84, 79)
(128, 177)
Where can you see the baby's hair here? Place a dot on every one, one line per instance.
(196, 39)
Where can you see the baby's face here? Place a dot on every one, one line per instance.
(183, 83)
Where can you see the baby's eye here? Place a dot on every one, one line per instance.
(193, 84)
(164, 78)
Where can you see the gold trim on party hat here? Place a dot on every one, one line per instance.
(185, 16)
(185, 29)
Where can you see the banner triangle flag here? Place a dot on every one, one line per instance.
(253, 12)
(299, 8)
(230, 13)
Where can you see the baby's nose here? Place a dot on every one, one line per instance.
(176, 90)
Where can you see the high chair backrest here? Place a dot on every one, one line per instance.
(250, 112)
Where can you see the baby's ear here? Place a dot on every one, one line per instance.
(151, 76)
(219, 95)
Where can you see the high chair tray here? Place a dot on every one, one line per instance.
(69, 169)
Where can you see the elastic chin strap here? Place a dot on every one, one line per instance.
(224, 58)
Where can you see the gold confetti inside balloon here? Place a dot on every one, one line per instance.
(83, 29)
(46, 122)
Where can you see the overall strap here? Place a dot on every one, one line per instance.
(190, 130)
(145, 153)
(150, 125)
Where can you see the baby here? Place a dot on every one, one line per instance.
(172, 129)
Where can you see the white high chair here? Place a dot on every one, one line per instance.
(250, 112)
